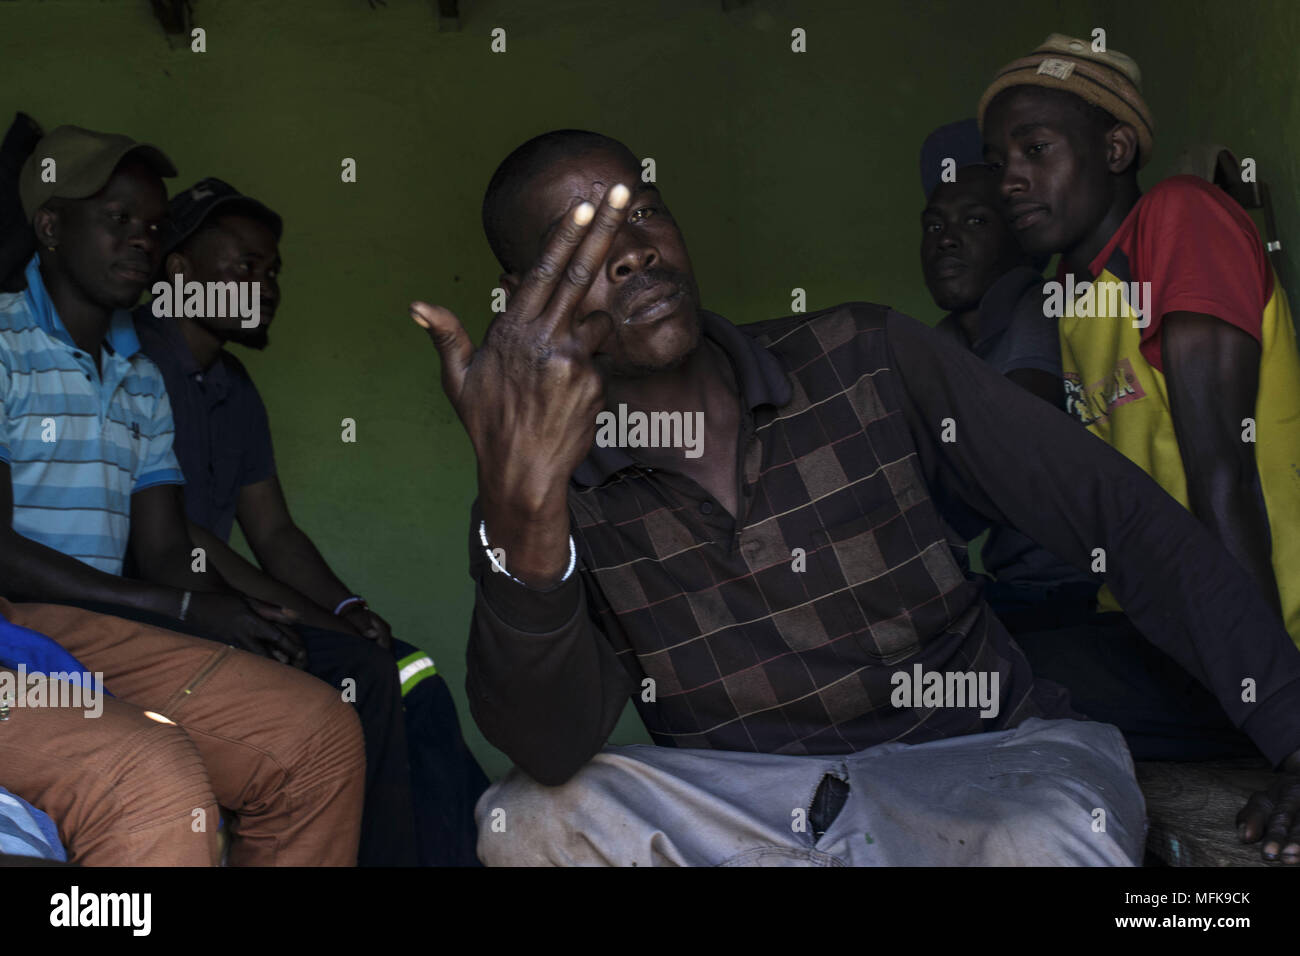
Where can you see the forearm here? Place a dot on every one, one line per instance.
(1179, 587)
(249, 579)
(1231, 506)
(549, 694)
(1086, 503)
(34, 572)
(290, 557)
(1212, 377)
(1187, 596)
(544, 683)
(173, 565)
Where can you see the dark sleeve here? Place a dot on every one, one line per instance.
(544, 684)
(1031, 340)
(1016, 460)
(17, 239)
(259, 456)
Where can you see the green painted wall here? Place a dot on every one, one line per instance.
(1225, 73)
(784, 170)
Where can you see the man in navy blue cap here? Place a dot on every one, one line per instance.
(992, 293)
(219, 236)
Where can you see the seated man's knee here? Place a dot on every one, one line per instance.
(1080, 802)
(335, 734)
(314, 735)
(160, 799)
(1074, 826)
(524, 823)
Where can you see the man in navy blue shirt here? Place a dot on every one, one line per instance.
(223, 444)
(993, 294)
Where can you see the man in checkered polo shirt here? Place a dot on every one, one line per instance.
(790, 611)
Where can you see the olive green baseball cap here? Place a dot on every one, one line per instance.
(84, 161)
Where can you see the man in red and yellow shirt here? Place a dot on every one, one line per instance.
(1177, 343)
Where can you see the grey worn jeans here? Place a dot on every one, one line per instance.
(1047, 793)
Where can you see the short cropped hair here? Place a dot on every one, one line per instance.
(518, 168)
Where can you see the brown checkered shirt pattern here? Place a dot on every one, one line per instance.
(782, 631)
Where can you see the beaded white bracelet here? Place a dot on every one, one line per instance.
(482, 534)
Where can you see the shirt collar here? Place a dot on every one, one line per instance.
(762, 378)
(166, 342)
(1101, 261)
(120, 339)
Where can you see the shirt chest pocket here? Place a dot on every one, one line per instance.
(124, 440)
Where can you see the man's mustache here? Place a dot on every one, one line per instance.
(636, 285)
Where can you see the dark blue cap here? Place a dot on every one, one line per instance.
(190, 207)
(960, 141)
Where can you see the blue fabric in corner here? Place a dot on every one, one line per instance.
(26, 831)
(37, 653)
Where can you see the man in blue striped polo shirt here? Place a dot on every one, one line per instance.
(80, 437)
(100, 224)
(86, 474)
(86, 467)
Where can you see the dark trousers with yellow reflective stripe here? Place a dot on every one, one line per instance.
(446, 780)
